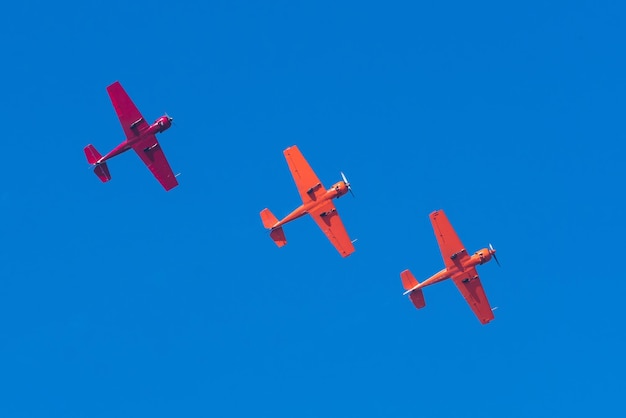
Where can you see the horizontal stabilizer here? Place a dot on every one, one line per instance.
(102, 171)
(268, 218)
(417, 297)
(93, 156)
(278, 236)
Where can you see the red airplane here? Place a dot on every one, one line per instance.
(460, 266)
(140, 136)
(317, 202)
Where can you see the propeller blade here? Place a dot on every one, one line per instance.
(345, 180)
(343, 176)
(493, 254)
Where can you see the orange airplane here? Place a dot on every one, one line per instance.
(317, 202)
(460, 266)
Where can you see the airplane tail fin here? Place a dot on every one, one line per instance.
(409, 282)
(277, 234)
(92, 154)
(101, 170)
(268, 218)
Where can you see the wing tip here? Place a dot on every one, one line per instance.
(114, 84)
(346, 253)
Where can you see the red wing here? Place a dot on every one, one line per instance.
(150, 152)
(308, 184)
(472, 290)
(328, 219)
(451, 247)
(128, 114)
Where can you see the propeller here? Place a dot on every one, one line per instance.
(171, 119)
(345, 180)
(493, 254)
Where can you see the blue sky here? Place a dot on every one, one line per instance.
(120, 299)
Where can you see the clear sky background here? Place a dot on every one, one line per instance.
(122, 300)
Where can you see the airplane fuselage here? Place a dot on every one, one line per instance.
(336, 191)
(161, 124)
(479, 257)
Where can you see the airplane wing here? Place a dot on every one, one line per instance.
(128, 114)
(309, 186)
(451, 247)
(150, 152)
(328, 219)
(472, 290)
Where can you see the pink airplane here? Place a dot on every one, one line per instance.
(140, 136)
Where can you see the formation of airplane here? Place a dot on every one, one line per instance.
(317, 201)
(140, 136)
(459, 266)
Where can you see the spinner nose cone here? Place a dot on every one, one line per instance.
(166, 120)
